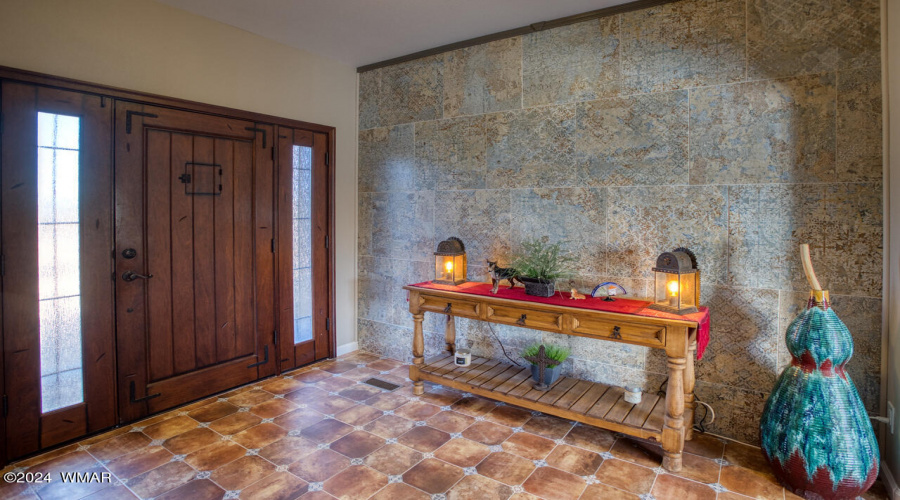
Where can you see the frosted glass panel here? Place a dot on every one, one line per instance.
(302, 245)
(59, 289)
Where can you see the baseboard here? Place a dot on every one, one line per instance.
(347, 348)
(889, 483)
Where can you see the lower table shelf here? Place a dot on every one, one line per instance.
(588, 402)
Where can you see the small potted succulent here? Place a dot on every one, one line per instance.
(551, 372)
(539, 264)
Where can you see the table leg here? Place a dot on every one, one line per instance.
(673, 429)
(689, 404)
(418, 351)
(450, 335)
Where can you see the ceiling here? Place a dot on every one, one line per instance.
(360, 32)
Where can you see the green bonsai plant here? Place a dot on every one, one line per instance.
(539, 264)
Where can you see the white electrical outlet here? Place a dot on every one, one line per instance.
(890, 416)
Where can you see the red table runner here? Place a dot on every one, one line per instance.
(620, 305)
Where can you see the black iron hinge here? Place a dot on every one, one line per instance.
(5, 405)
(265, 357)
(273, 153)
(2, 265)
(134, 399)
(327, 160)
(326, 241)
(275, 334)
(129, 114)
(273, 245)
(327, 324)
(260, 130)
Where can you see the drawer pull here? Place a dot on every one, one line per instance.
(521, 321)
(448, 308)
(616, 333)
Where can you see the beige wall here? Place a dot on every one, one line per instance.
(147, 46)
(891, 450)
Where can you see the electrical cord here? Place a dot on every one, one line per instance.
(501, 345)
(709, 412)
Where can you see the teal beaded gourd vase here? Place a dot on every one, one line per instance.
(815, 431)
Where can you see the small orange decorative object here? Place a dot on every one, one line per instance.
(576, 295)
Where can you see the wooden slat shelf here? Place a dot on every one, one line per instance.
(580, 400)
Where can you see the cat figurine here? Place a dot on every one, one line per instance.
(499, 274)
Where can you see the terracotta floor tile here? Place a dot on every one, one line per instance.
(600, 491)
(637, 452)
(99, 437)
(357, 444)
(278, 486)
(190, 441)
(699, 469)
(727, 495)
(506, 468)
(306, 394)
(401, 379)
(479, 487)
(320, 465)
(46, 457)
(251, 398)
(433, 476)
(750, 483)
(424, 438)
(528, 445)
(474, 406)
(215, 455)
(171, 427)
(360, 374)
(441, 398)
(339, 366)
(161, 479)
(337, 384)
(283, 385)
(242, 472)
(239, 390)
(462, 452)
(384, 365)
(116, 492)
(509, 415)
(213, 411)
(312, 376)
(326, 431)
(400, 491)
(668, 486)
(288, 450)
(705, 445)
(393, 459)
(273, 408)
(387, 401)
(389, 426)
(139, 462)
(590, 438)
(450, 421)
(417, 410)
(548, 426)
(746, 456)
(575, 460)
(554, 484)
(330, 405)
(59, 490)
(318, 495)
(487, 432)
(299, 419)
(524, 496)
(232, 424)
(259, 436)
(69, 462)
(198, 489)
(356, 483)
(359, 415)
(626, 476)
(119, 445)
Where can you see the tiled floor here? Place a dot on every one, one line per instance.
(318, 433)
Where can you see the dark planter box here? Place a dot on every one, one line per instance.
(550, 374)
(539, 287)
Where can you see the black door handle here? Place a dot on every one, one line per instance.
(616, 333)
(131, 276)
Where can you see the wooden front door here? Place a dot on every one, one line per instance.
(194, 252)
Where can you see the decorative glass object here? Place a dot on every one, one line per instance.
(677, 282)
(450, 262)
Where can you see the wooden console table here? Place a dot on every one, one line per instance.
(668, 420)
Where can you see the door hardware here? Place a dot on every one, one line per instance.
(138, 400)
(616, 333)
(131, 276)
(521, 320)
(265, 357)
(129, 253)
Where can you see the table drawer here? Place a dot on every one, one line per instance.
(648, 335)
(526, 318)
(461, 308)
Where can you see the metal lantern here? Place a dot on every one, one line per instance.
(677, 288)
(450, 262)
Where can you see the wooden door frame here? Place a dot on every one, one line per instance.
(111, 92)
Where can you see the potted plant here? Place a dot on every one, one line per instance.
(551, 372)
(539, 264)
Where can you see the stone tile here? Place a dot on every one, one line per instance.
(312, 376)
(331, 405)
(384, 365)
(531, 147)
(474, 406)
(699, 469)
(250, 398)
(764, 132)
(705, 445)
(288, 450)
(281, 385)
(387, 160)
(319, 465)
(170, 427)
(161, 479)
(215, 455)
(680, 45)
(667, 486)
(416, 410)
(356, 483)
(389, 426)
(337, 367)
(625, 355)
(138, 462)
(326, 431)
(737, 410)
(590, 438)
(548, 426)
(65, 490)
(462, 452)
(853, 234)
(600, 491)
(395, 491)
(273, 408)
(360, 392)
(117, 492)
(451, 153)
(335, 384)
(433, 476)
(529, 446)
(119, 445)
(424, 438)
(299, 419)
(480, 487)
(482, 216)
(317, 495)
(387, 340)
(747, 457)
(554, 484)
(785, 37)
(483, 78)
(406, 92)
(646, 221)
(575, 460)
(578, 62)
(443, 397)
(559, 213)
(190, 441)
(626, 476)
(859, 125)
(259, 436)
(393, 224)
(747, 482)
(234, 423)
(357, 444)
(360, 374)
(278, 486)
(509, 415)
(393, 459)
(506, 468)
(487, 433)
(634, 140)
(637, 452)
(358, 415)
(242, 472)
(201, 489)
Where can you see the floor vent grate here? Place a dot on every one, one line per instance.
(381, 384)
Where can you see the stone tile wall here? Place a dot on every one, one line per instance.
(738, 128)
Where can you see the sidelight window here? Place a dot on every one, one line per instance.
(302, 244)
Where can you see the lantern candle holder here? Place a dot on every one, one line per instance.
(677, 282)
(450, 262)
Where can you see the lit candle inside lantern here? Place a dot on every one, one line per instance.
(673, 293)
(449, 266)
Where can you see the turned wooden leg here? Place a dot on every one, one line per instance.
(450, 335)
(418, 352)
(689, 404)
(673, 429)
